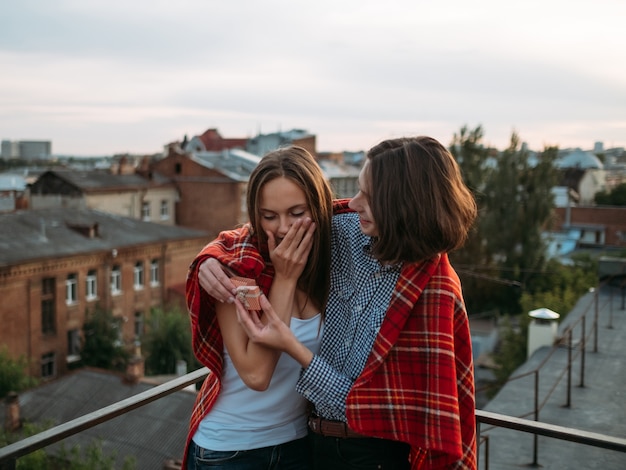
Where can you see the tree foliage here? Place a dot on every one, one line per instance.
(13, 373)
(615, 197)
(74, 458)
(511, 352)
(513, 193)
(167, 341)
(91, 458)
(503, 264)
(558, 288)
(102, 346)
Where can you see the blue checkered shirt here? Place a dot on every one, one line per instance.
(360, 292)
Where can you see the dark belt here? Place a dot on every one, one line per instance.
(328, 428)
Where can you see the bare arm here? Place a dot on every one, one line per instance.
(255, 363)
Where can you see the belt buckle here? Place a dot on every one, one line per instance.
(314, 424)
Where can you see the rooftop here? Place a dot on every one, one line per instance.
(152, 433)
(599, 405)
(49, 233)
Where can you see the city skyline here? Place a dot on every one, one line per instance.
(99, 78)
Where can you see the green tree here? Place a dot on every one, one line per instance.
(558, 288)
(102, 346)
(515, 205)
(615, 197)
(472, 262)
(167, 341)
(13, 373)
(35, 460)
(511, 351)
(519, 205)
(93, 457)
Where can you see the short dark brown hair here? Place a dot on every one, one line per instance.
(298, 165)
(418, 199)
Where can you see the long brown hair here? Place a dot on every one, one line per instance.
(298, 165)
(418, 199)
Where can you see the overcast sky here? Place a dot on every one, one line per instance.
(108, 76)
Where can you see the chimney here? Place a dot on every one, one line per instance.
(542, 329)
(136, 366)
(12, 420)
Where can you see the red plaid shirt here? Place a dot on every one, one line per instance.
(236, 249)
(418, 383)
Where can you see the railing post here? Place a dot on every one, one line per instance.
(569, 369)
(595, 318)
(487, 453)
(478, 439)
(535, 436)
(583, 346)
(610, 325)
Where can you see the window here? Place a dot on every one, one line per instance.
(118, 324)
(145, 211)
(91, 285)
(154, 272)
(165, 210)
(138, 275)
(48, 366)
(116, 280)
(138, 324)
(178, 168)
(73, 345)
(48, 303)
(71, 290)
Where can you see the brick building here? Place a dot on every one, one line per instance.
(56, 265)
(593, 226)
(212, 186)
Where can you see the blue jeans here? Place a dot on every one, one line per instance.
(335, 453)
(293, 455)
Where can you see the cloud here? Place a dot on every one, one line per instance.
(349, 71)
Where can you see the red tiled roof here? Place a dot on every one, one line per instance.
(213, 141)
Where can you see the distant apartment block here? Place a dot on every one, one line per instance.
(123, 190)
(26, 149)
(212, 186)
(263, 143)
(12, 192)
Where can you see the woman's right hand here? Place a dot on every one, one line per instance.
(272, 332)
(214, 280)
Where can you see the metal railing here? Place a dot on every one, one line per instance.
(575, 349)
(10, 453)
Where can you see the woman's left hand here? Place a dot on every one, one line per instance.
(272, 332)
(290, 256)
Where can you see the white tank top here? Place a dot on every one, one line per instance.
(244, 419)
